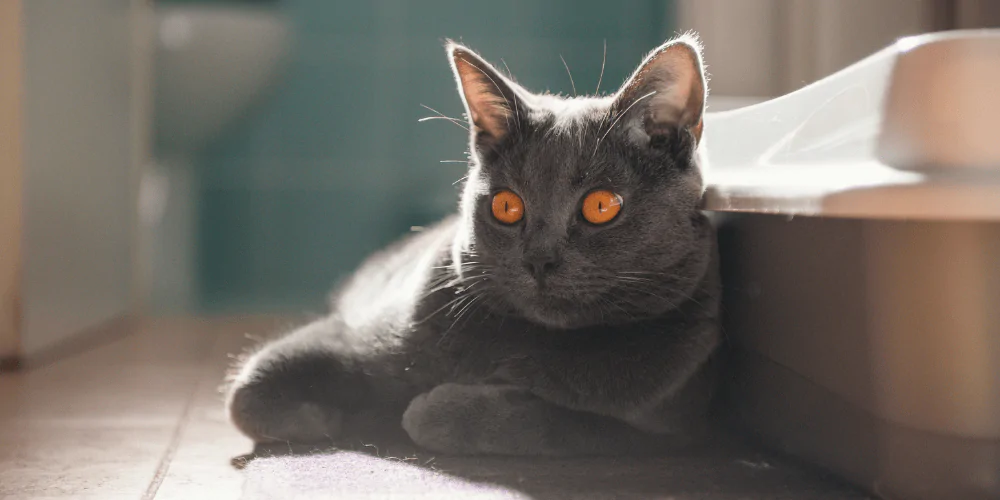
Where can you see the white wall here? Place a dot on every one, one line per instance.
(767, 48)
(79, 167)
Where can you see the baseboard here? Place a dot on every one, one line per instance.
(10, 364)
(91, 338)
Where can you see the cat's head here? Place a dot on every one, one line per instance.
(585, 210)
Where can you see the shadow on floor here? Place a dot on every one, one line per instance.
(395, 468)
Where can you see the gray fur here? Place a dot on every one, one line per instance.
(449, 336)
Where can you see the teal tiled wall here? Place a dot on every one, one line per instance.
(335, 165)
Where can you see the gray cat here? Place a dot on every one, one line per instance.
(571, 307)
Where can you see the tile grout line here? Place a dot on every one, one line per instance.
(175, 438)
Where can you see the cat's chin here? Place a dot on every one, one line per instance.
(554, 319)
(559, 315)
(563, 307)
(564, 313)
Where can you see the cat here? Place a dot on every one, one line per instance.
(570, 307)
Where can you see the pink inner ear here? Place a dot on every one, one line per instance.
(488, 109)
(696, 130)
(675, 74)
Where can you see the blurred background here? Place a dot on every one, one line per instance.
(334, 164)
(226, 156)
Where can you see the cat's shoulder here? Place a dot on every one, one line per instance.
(401, 267)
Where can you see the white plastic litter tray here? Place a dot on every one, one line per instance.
(911, 131)
(861, 260)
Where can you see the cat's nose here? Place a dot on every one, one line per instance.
(541, 263)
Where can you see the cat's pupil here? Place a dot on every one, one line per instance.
(506, 207)
(600, 206)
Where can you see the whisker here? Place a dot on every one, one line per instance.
(465, 266)
(431, 315)
(620, 308)
(570, 73)
(681, 298)
(432, 110)
(628, 279)
(465, 297)
(517, 113)
(464, 263)
(462, 311)
(456, 121)
(475, 310)
(442, 284)
(455, 322)
(509, 74)
(437, 289)
(632, 277)
(620, 115)
(603, 60)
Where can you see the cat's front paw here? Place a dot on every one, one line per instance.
(442, 420)
(278, 397)
(465, 419)
(266, 418)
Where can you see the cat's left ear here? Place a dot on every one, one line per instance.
(493, 102)
(667, 93)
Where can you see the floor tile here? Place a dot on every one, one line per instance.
(138, 417)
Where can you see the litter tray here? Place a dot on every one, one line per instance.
(860, 237)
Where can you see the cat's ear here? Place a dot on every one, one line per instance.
(666, 93)
(491, 100)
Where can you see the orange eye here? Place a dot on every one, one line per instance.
(600, 207)
(508, 207)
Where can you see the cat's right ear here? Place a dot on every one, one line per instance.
(491, 100)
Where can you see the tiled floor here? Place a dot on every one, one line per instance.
(140, 417)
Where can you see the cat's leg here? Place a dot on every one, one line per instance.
(508, 420)
(302, 387)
